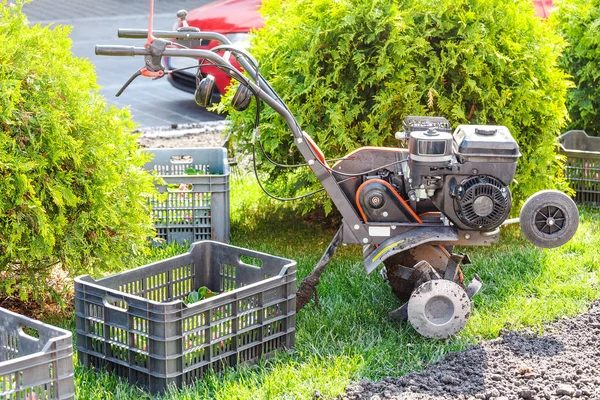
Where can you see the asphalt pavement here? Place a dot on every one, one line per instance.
(153, 103)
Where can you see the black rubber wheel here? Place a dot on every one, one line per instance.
(549, 219)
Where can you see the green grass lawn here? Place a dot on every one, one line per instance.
(349, 336)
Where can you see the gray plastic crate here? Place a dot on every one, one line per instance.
(136, 325)
(34, 367)
(197, 206)
(583, 165)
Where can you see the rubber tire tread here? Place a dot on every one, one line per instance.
(543, 199)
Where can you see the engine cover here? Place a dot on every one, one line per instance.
(482, 202)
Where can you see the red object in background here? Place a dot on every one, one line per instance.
(232, 18)
(227, 16)
(235, 18)
(543, 8)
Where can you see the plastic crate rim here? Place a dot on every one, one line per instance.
(284, 268)
(14, 364)
(30, 322)
(226, 169)
(90, 281)
(566, 151)
(216, 301)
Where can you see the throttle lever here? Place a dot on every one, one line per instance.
(142, 71)
(131, 79)
(154, 68)
(154, 59)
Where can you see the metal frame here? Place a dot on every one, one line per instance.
(355, 230)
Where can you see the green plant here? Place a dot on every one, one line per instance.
(193, 171)
(198, 295)
(351, 70)
(579, 23)
(73, 194)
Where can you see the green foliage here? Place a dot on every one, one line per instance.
(579, 23)
(72, 190)
(351, 70)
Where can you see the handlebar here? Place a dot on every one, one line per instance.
(156, 48)
(261, 88)
(102, 50)
(143, 34)
(110, 50)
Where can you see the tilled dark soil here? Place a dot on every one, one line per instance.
(564, 363)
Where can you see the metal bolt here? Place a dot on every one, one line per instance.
(385, 213)
(311, 162)
(467, 236)
(409, 180)
(422, 186)
(356, 227)
(393, 227)
(299, 140)
(365, 240)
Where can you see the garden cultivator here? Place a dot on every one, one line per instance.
(407, 206)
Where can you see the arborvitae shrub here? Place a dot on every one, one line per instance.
(351, 70)
(579, 22)
(72, 191)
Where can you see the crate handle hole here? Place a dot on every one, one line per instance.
(257, 262)
(179, 187)
(29, 331)
(115, 303)
(181, 159)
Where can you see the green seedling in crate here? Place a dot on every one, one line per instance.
(198, 295)
(193, 171)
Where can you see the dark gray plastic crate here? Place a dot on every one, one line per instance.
(39, 367)
(136, 325)
(583, 165)
(200, 211)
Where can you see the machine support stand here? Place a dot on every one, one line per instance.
(308, 287)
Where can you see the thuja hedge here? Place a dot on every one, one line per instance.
(579, 22)
(351, 70)
(72, 191)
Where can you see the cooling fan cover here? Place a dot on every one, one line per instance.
(483, 202)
